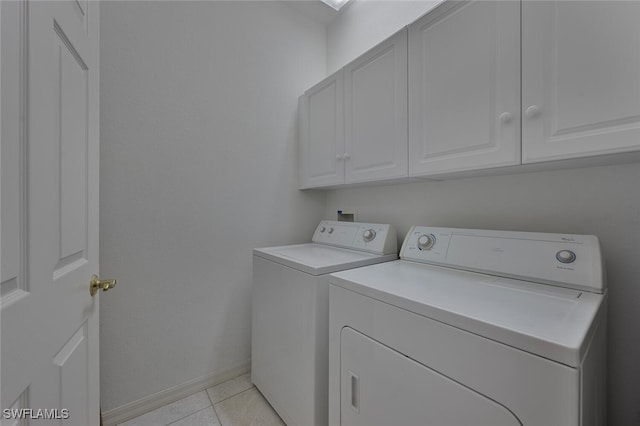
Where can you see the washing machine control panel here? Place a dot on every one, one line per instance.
(370, 237)
(572, 261)
(426, 244)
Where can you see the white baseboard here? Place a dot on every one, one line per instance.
(149, 403)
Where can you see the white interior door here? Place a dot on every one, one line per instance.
(49, 199)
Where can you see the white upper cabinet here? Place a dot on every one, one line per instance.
(353, 124)
(321, 133)
(477, 85)
(464, 88)
(581, 79)
(376, 112)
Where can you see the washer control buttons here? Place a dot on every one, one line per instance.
(425, 242)
(322, 229)
(331, 230)
(565, 256)
(369, 235)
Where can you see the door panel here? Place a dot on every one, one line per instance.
(12, 153)
(376, 112)
(384, 387)
(72, 165)
(15, 288)
(49, 320)
(581, 79)
(464, 88)
(73, 378)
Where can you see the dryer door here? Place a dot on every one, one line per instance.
(380, 386)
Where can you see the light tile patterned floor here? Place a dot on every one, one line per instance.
(233, 403)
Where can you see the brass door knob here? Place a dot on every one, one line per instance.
(96, 284)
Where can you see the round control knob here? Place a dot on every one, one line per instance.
(369, 234)
(322, 229)
(565, 256)
(425, 242)
(331, 230)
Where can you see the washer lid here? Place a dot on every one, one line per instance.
(318, 259)
(555, 323)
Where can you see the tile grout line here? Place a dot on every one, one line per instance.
(215, 413)
(221, 401)
(230, 396)
(171, 403)
(261, 397)
(191, 414)
(195, 393)
(235, 394)
(213, 404)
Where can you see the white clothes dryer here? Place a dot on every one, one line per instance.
(471, 328)
(290, 313)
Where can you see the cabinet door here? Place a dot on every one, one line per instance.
(464, 88)
(376, 112)
(321, 116)
(581, 78)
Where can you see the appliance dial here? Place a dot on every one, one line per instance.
(331, 230)
(369, 235)
(565, 256)
(322, 229)
(425, 242)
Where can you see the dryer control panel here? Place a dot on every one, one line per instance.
(565, 260)
(370, 237)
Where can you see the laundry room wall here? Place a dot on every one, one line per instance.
(604, 201)
(198, 154)
(363, 24)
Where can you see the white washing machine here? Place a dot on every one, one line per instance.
(471, 328)
(290, 313)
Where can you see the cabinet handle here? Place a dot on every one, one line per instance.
(532, 112)
(346, 156)
(338, 157)
(506, 117)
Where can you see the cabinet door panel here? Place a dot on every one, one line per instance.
(581, 78)
(376, 112)
(464, 88)
(322, 134)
